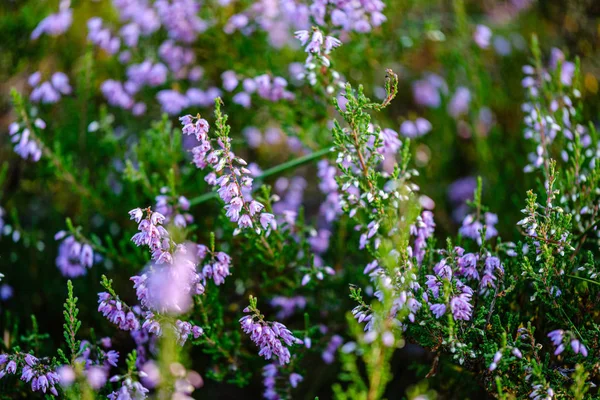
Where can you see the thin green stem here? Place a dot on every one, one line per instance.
(271, 171)
(584, 279)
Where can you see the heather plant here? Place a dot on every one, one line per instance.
(299, 199)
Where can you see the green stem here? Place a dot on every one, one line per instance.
(271, 171)
(583, 279)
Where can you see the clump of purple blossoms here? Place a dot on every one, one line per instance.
(102, 37)
(216, 264)
(331, 207)
(269, 374)
(26, 145)
(266, 87)
(558, 339)
(152, 234)
(472, 226)
(359, 16)
(460, 296)
(273, 338)
(416, 128)
(482, 36)
(48, 91)
(184, 329)
(180, 19)
(428, 91)
(459, 104)
(73, 257)
(316, 42)
(328, 354)
(230, 174)
(422, 229)
(55, 24)
(117, 312)
(42, 377)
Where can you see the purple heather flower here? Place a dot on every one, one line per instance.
(423, 228)
(117, 313)
(215, 268)
(73, 257)
(230, 80)
(112, 357)
(329, 352)
(459, 104)
(271, 337)
(557, 337)
(97, 377)
(172, 102)
(461, 306)
(55, 24)
(66, 375)
(426, 92)
(438, 310)
(482, 36)
(181, 19)
(295, 379)
(153, 234)
(471, 227)
(6, 291)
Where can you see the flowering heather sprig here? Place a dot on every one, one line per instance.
(331, 207)
(152, 234)
(55, 24)
(482, 36)
(416, 128)
(216, 264)
(184, 329)
(358, 162)
(444, 285)
(274, 18)
(559, 337)
(269, 374)
(73, 257)
(334, 343)
(49, 91)
(317, 69)
(102, 37)
(459, 103)
(422, 229)
(472, 226)
(230, 174)
(265, 86)
(358, 16)
(543, 222)
(42, 376)
(117, 312)
(550, 110)
(273, 338)
(180, 19)
(177, 58)
(26, 145)
(429, 90)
